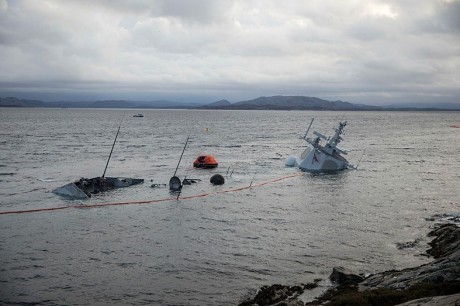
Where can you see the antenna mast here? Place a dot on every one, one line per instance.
(103, 175)
(181, 155)
(305, 136)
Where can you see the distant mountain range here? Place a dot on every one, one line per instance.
(261, 103)
(426, 105)
(161, 104)
(288, 103)
(312, 103)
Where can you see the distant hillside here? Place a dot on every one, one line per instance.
(289, 103)
(296, 102)
(448, 106)
(112, 103)
(221, 103)
(15, 102)
(261, 103)
(163, 104)
(120, 104)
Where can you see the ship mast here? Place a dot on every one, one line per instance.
(106, 165)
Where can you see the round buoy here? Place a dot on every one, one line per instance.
(290, 161)
(217, 179)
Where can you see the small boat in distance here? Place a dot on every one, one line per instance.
(138, 116)
(322, 158)
(205, 161)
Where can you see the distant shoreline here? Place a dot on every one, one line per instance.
(248, 109)
(284, 103)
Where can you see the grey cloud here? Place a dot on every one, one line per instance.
(397, 74)
(200, 11)
(443, 18)
(150, 48)
(450, 15)
(368, 30)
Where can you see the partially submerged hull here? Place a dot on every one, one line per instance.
(322, 158)
(318, 161)
(84, 188)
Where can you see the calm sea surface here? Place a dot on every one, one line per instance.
(220, 247)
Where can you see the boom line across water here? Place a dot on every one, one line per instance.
(173, 199)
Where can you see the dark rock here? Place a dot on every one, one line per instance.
(447, 240)
(445, 300)
(279, 295)
(434, 283)
(407, 245)
(447, 218)
(441, 277)
(343, 276)
(217, 179)
(445, 268)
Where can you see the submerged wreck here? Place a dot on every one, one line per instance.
(85, 187)
(318, 157)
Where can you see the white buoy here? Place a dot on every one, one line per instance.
(291, 161)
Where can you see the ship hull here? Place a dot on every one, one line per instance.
(317, 161)
(84, 188)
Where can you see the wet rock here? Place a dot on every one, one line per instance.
(445, 268)
(435, 283)
(441, 277)
(446, 218)
(407, 245)
(279, 295)
(447, 240)
(343, 276)
(446, 300)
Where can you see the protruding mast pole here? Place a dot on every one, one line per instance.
(360, 159)
(103, 175)
(305, 136)
(181, 155)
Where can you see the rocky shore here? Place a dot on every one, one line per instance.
(435, 283)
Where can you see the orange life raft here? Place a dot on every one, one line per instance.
(205, 161)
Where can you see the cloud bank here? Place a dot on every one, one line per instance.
(373, 52)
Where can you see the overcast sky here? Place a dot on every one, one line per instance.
(372, 52)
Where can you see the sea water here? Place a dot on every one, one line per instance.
(214, 245)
